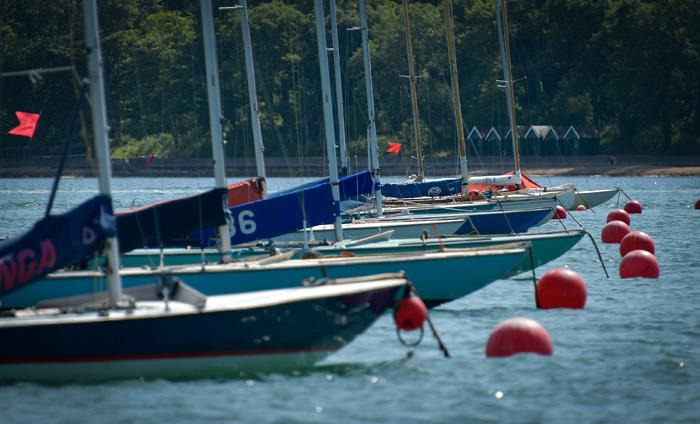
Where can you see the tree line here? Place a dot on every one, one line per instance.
(628, 67)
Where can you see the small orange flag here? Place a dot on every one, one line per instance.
(394, 148)
(27, 124)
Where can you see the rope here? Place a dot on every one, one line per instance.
(534, 277)
(584, 202)
(505, 216)
(66, 144)
(623, 192)
(600, 257)
(410, 289)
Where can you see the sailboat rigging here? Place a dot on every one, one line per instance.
(182, 333)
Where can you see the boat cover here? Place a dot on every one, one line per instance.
(351, 187)
(55, 242)
(283, 214)
(162, 222)
(526, 183)
(273, 216)
(432, 188)
(245, 191)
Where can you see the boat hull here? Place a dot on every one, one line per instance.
(593, 198)
(437, 276)
(186, 342)
(546, 247)
(506, 222)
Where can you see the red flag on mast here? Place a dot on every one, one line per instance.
(394, 148)
(27, 124)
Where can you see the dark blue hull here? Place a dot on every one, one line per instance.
(508, 222)
(248, 340)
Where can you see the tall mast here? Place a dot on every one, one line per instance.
(502, 22)
(252, 90)
(339, 93)
(449, 26)
(100, 130)
(414, 96)
(327, 111)
(215, 117)
(373, 148)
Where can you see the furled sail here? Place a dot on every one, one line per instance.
(163, 222)
(279, 213)
(429, 188)
(351, 187)
(55, 242)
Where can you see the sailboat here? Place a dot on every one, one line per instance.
(545, 247)
(176, 332)
(517, 178)
(447, 195)
(417, 185)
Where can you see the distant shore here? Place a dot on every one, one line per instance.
(611, 165)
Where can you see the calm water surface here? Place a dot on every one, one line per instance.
(633, 355)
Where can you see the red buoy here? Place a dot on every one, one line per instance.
(633, 206)
(639, 263)
(559, 212)
(697, 204)
(636, 240)
(614, 231)
(619, 215)
(561, 288)
(410, 313)
(580, 208)
(518, 335)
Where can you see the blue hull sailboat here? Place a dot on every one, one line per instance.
(173, 331)
(217, 336)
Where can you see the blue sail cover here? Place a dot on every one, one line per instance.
(276, 215)
(351, 186)
(433, 188)
(55, 242)
(163, 222)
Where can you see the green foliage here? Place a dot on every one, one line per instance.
(161, 145)
(628, 67)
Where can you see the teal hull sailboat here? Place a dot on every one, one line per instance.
(545, 248)
(436, 275)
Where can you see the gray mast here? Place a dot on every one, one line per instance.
(100, 130)
(449, 26)
(339, 93)
(414, 95)
(502, 22)
(373, 148)
(327, 111)
(252, 91)
(215, 117)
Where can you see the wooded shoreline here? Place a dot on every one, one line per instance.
(618, 165)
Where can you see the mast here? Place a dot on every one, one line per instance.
(215, 117)
(414, 96)
(100, 130)
(252, 91)
(327, 111)
(502, 22)
(449, 26)
(339, 93)
(373, 148)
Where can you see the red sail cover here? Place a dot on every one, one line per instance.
(27, 124)
(245, 191)
(527, 183)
